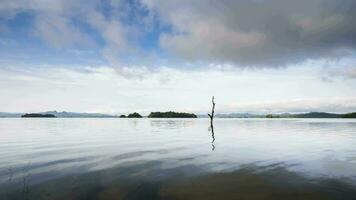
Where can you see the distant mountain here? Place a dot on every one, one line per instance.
(238, 115)
(8, 115)
(65, 114)
(317, 115)
(232, 115)
(283, 115)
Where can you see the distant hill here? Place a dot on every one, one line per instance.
(317, 115)
(10, 115)
(283, 115)
(171, 114)
(238, 115)
(232, 115)
(65, 114)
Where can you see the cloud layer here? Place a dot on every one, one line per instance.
(66, 54)
(243, 33)
(257, 32)
(99, 89)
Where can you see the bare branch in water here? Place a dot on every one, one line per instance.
(212, 110)
(211, 123)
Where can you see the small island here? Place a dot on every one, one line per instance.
(37, 115)
(272, 116)
(132, 115)
(171, 114)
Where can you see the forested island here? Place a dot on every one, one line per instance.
(171, 114)
(349, 115)
(132, 115)
(37, 115)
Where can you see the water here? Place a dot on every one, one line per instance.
(177, 159)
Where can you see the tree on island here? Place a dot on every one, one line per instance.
(272, 116)
(134, 115)
(349, 115)
(37, 115)
(171, 114)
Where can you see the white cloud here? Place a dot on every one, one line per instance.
(101, 90)
(57, 24)
(58, 31)
(348, 72)
(342, 69)
(338, 105)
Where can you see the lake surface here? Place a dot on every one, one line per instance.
(177, 159)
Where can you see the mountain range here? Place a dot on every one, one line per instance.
(65, 114)
(62, 114)
(284, 115)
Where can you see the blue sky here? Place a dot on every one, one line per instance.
(142, 55)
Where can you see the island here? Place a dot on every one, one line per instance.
(37, 115)
(132, 115)
(349, 115)
(171, 114)
(272, 116)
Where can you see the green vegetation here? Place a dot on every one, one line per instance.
(349, 115)
(272, 116)
(37, 115)
(133, 115)
(171, 114)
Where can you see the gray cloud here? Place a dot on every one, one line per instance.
(346, 72)
(257, 33)
(247, 33)
(337, 105)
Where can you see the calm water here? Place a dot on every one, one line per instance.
(177, 159)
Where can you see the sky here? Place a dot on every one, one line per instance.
(121, 56)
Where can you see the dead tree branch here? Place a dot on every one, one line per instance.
(212, 111)
(211, 123)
